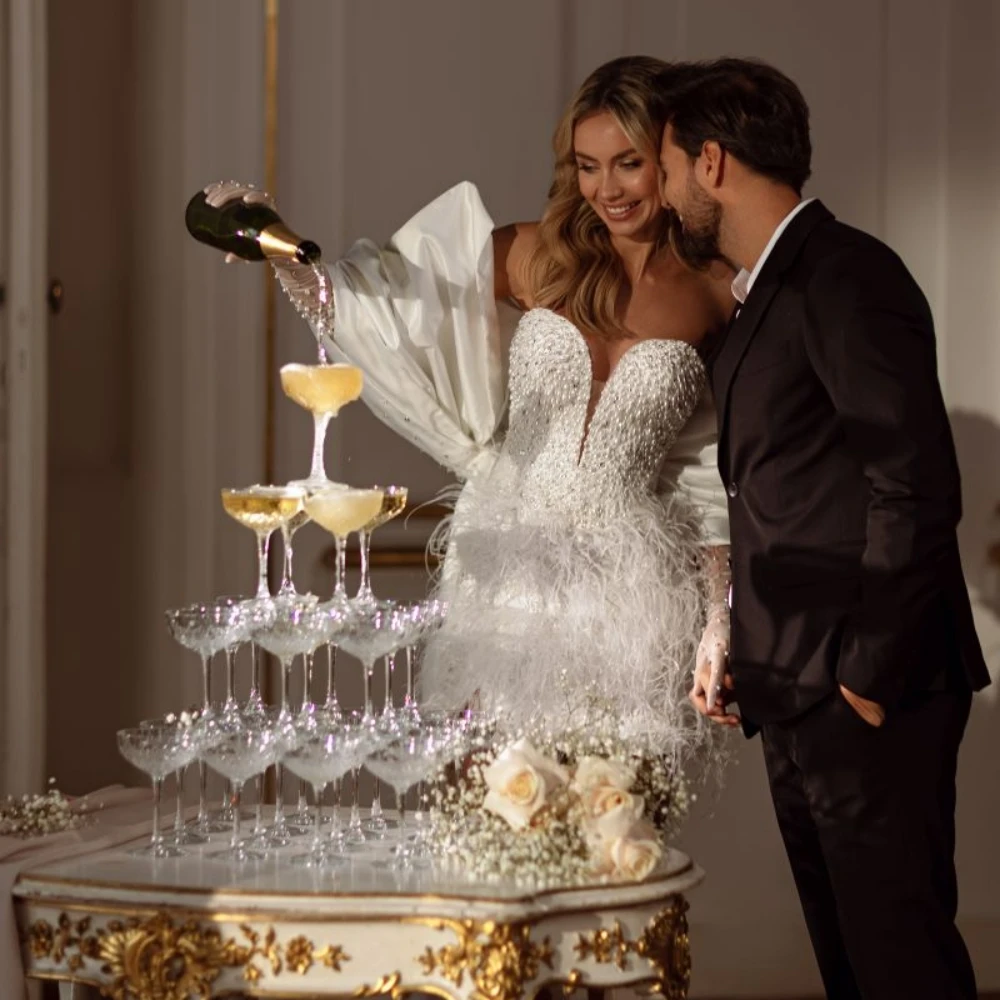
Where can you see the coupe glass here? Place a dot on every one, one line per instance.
(393, 502)
(403, 760)
(373, 631)
(156, 751)
(296, 628)
(182, 835)
(342, 510)
(264, 509)
(205, 629)
(320, 756)
(239, 748)
(322, 390)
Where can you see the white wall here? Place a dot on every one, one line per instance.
(387, 102)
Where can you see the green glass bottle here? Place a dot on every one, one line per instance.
(253, 232)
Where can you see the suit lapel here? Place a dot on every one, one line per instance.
(755, 308)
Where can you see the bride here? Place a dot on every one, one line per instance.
(556, 367)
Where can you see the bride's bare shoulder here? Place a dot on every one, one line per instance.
(690, 304)
(512, 249)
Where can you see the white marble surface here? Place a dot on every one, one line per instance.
(197, 880)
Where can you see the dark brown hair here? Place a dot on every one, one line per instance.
(752, 110)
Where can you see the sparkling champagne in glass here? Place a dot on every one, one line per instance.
(322, 390)
(341, 510)
(263, 509)
(393, 502)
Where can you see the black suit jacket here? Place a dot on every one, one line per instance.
(837, 455)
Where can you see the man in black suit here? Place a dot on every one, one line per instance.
(853, 649)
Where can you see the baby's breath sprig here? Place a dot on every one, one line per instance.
(37, 815)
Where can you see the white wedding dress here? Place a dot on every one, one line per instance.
(570, 569)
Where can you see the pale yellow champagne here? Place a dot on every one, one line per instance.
(322, 389)
(343, 511)
(393, 502)
(264, 508)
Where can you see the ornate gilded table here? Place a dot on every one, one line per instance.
(193, 927)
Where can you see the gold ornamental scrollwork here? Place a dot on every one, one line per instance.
(386, 986)
(153, 957)
(664, 944)
(498, 958)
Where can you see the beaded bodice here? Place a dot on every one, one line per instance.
(564, 463)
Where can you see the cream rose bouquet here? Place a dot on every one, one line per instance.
(559, 809)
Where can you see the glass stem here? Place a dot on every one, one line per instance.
(286, 576)
(318, 471)
(179, 811)
(257, 654)
(237, 787)
(355, 818)
(263, 544)
(317, 833)
(206, 683)
(364, 593)
(307, 702)
(157, 837)
(202, 794)
(231, 678)
(335, 816)
(409, 676)
(258, 820)
(331, 667)
(367, 668)
(390, 662)
(340, 589)
(279, 788)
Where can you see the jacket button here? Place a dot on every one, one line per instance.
(733, 490)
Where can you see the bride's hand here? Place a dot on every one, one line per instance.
(222, 192)
(712, 683)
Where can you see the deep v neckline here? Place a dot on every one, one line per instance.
(589, 416)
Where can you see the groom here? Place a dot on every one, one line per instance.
(853, 647)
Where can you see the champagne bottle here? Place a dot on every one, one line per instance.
(253, 232)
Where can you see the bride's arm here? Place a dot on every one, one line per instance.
(419, 316)
(512, 246)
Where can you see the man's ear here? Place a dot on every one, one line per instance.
(710, 167)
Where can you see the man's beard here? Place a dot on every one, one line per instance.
(698, 239)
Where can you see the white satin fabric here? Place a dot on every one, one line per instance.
(419, 317)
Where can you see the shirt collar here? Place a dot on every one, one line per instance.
(745, 279)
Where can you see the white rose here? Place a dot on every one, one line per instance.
(520, 782)
(592, 772)
(609, 812)
(636, 854)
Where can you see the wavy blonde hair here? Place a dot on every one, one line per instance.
(574, 268)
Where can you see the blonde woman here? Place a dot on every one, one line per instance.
(557, 368)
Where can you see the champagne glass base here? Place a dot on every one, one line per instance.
(237, 855)
(160, 850)
(277, 837)
(258, 843)
(322, 862)
(185, 837)
(300, 823)
(207, 824)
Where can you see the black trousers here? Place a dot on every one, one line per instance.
(868, 819)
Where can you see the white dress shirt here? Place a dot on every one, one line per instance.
(743, 281)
